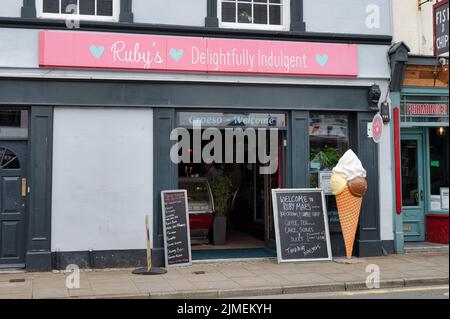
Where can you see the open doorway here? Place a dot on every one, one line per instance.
(248, 209)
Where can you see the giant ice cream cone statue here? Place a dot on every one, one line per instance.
(348, 184)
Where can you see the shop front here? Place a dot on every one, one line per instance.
(307, 145)
(246, 161)
(104, 117)
(419, 93)
(425, 164)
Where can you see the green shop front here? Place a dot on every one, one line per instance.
(425, 164)
(420, 101)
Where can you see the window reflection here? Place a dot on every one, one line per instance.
(439, 163)
(13, 123)
(329, 140)
(410, 187)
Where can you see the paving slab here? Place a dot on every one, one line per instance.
(154, 287)
(50, 293)
(252, 282)
(17, 296)
(275, 279)
(80, 292)
(343, 277)
(181, 285)
(310, 278)
(224, 284)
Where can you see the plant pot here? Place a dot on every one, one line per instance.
(220, 230)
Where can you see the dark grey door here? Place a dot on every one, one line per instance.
(13, 195)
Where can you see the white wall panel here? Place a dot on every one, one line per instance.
(102, 178)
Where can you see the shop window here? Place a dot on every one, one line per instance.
(439, 168)
(8, 159)
(99, 10)
(410, 174)
(13, 124)
(329, 140)
(254, 14)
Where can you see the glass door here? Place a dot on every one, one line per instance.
(412, 158)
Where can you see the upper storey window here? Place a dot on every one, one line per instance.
(254, 14)
(97, 10)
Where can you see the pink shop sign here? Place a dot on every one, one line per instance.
(154, 53)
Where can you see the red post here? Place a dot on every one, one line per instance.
(398, 174)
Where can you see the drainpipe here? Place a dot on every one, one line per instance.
(398, 57)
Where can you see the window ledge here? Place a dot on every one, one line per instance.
(245, 26)
(80, 17)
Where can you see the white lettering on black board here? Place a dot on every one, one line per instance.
(301, 228)
(176, 228)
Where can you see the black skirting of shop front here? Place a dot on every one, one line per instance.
(166, 98)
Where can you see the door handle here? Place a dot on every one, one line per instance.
(421, 196)
(24, 187)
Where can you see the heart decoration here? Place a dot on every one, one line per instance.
(176, 54)
(97, 51)
(322, 60)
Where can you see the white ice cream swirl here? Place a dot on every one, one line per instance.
(350, 166)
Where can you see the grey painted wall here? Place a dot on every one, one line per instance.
(10, 8)
(335, 16)
(19, 48)
(348, 16)
(177, 12)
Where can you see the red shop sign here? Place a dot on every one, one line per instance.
(426, 109)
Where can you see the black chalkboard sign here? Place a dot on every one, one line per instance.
(301, 225)
(177, 239)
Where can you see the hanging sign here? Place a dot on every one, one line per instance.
(375, 129)
(301, 225)
(441, 35)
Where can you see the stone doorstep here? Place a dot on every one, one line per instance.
(426, 249)
(268, 291)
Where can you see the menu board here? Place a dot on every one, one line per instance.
(177, 239)
(301, 225)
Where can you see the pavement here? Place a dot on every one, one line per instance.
(233, 279)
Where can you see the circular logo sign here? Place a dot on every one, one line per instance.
(377, 128)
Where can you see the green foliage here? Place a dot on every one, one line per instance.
(221, 187)
(328, 157)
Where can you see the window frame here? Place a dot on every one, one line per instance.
(333, 216)
(284, 26)
(64, 16)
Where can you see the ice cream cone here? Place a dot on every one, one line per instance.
(349, 208)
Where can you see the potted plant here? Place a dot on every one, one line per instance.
(221, 187)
